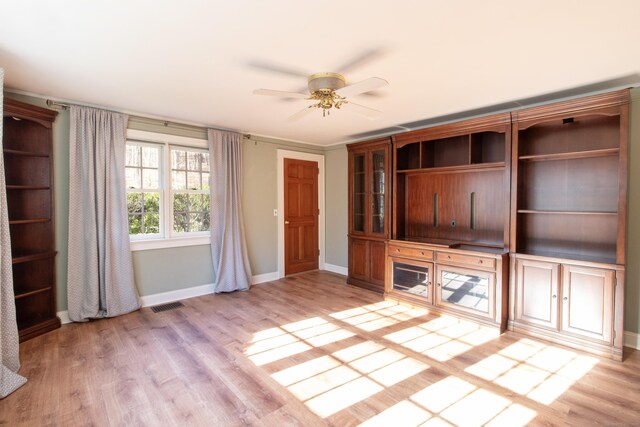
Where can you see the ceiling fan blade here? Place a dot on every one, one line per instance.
(302, 113)
(278, 69)
(360, 60)
(366, 85)
(367, 112)
(281, 93)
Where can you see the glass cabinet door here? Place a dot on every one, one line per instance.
(377, 193)
(359, 193)
(466, 289)
(412, 278)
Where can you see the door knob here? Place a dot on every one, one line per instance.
(286, 222)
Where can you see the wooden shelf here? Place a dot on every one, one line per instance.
(571, 155)
(27, 187)
(38, 291)
(563, 256)
(34, 257)
(23, 153)
(28, 221)
(529, 211)
(476, 167)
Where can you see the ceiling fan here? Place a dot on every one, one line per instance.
(330, 90)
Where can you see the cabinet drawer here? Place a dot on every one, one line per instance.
(475, 261)
(410, 252)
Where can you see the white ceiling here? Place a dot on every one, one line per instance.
(198, 61)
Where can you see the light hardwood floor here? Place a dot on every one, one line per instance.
(310, 351)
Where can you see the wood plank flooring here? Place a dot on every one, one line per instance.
(309, 350)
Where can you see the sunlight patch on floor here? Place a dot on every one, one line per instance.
(539, 371)
(333, 382)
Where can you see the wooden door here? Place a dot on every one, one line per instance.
(300, 216)
(537, 293)
(587, 302)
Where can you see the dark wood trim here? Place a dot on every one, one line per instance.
(21, 110)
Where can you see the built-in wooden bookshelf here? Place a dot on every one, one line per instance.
(27, 149)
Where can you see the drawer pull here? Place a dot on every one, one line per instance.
(449, 256)
(422, 253)
(397, 250)
(479, 261)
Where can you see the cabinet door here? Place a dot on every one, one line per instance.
(468, 290)
(412, 277)
(376, 262)
(378, 190)
(537, 293)
(587, 302)
(358, 193)
(359, 259)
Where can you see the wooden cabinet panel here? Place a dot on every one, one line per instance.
(404, 251)
(359, 259)
(587, 302)
(376, 262)
(471, 260)
(537, 293)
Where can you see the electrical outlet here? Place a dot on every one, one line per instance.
(453, 223)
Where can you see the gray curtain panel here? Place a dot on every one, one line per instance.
(100, 270)
(9, 350)
(231, 268)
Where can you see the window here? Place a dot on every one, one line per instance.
(190, 190)
(167, 191)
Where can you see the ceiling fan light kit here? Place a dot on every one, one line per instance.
(330, 90)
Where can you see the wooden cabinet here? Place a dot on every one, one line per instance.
(449, 280)
(568, 221)
(572, 304)
(369, 212)
(28, 160)
(451, 183)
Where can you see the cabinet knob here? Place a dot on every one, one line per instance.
(397, 250)
(439, 285)
(553, 296)
(449, 256)
(479, 261)
(286, 222)
(565, 298)
(421, 253)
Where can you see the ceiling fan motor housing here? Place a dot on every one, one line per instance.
(330, 81)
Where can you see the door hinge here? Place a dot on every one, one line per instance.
(318, 211)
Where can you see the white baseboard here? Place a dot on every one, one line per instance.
(631, 339)
(64, 317)
(266, 277)
(336, 269)
(171, 296)
(180, 294)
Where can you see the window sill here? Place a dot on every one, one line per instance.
(178, 242)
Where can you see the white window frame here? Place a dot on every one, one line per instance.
(167, 238)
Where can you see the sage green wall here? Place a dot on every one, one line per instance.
(336, 201)
(632, 285)
(163, 270)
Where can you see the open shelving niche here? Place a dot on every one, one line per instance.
(28, 174)
(567, 190)
(451, 184)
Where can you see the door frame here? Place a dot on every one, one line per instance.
(298, 155)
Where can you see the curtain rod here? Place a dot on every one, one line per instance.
(65, 106)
